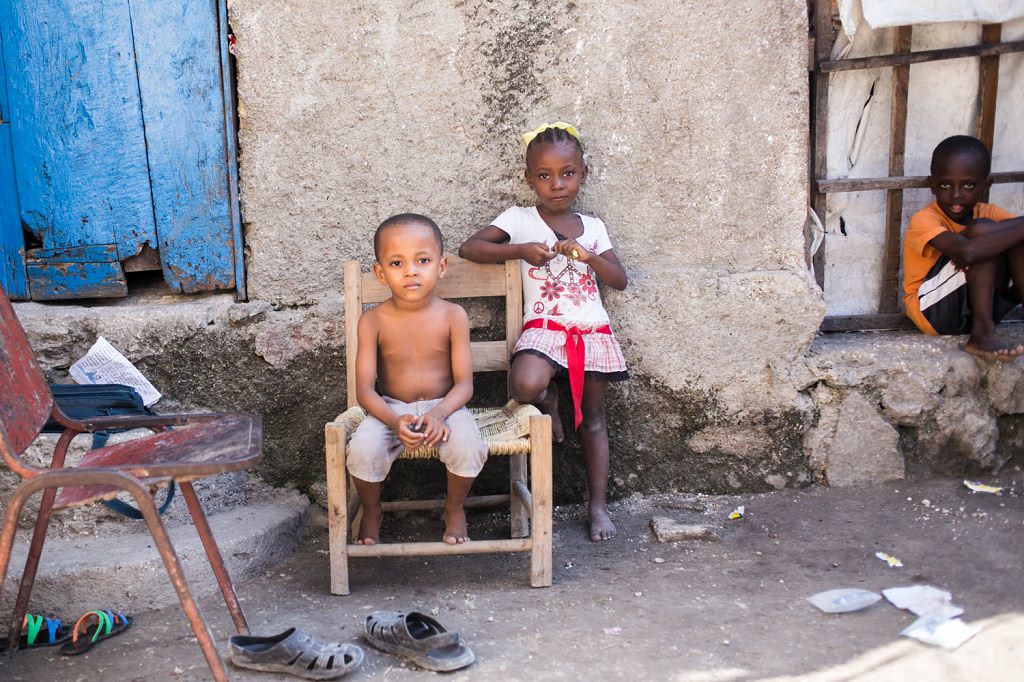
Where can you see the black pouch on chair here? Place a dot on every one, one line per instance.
(102, 400)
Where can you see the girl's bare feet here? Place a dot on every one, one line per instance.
(993, 349)
(549, 406)
(601, 526)
(369, 527)
(455, 530)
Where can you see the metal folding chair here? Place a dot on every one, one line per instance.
(182, 448)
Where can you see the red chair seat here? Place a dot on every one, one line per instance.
(228, 443)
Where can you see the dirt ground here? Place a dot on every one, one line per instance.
(636, 609)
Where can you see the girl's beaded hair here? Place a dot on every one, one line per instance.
(553, 133)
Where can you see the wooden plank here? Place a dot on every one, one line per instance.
(988, 85)
(12, 241)
(13, 278)
(76, 124)
(849, 323)
(519, 513)
(439, 548)
(97, 253)
(819, 129)
(227, 91)
(353, 309)
(424, 505)
(513, 305)
(337, 506)
(180, 81)
(543, 503)
(889, 295)
(489, 356)
(984, 50)
(465, 279)
(523, 494)
(58, 281)
(899, 182)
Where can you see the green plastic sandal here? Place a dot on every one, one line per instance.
(32, 625)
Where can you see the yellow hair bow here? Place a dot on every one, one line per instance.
(567, 127)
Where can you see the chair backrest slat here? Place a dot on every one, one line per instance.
(465, 279)
(25, 399)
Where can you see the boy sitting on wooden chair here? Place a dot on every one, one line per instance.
(415, 348)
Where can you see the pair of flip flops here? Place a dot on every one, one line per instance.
(91, 628)
(418, 638)
(294, 652)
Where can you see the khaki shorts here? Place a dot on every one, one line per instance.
(374, 446)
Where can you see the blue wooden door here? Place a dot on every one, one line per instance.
(121, 141)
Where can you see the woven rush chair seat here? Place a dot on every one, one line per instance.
(505, 430)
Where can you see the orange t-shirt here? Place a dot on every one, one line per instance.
(919, 256)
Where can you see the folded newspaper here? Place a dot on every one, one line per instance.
(103, 364)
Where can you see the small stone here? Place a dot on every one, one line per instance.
(658, 560)
(638, 594)
(670, 530)
(926, 503)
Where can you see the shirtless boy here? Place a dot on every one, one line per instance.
(414, 375)
(963, 260)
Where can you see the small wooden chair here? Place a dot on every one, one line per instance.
(185, 447)
(516, 431)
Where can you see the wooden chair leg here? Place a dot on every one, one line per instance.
(177, 576)
(213, 554)
(541, 490)
(337, 506)
(519, 514)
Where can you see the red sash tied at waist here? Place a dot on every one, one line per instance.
(575, 355)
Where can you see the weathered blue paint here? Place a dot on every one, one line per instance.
(231, 148)
(12, 243)
(77, 272)
(79, 149)
(123, 134)
(96, 253)
(183, 111)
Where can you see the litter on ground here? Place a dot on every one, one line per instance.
(844, 600)
(944, 632)
(889, 559)
(979, 487)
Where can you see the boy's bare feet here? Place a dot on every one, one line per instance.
(601, 526)
(993, 349)
(455, 531)
(549, 406)
(369, 527)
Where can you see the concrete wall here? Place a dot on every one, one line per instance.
(694, 121)
(694, 117)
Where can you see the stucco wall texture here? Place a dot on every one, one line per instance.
(693, 115)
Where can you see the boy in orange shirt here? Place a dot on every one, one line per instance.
(963, 261)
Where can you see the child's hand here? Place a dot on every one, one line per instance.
(570, 248)
(535, 253)
(432, 427)
(410, 438)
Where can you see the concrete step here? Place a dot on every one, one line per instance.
(125, 572)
